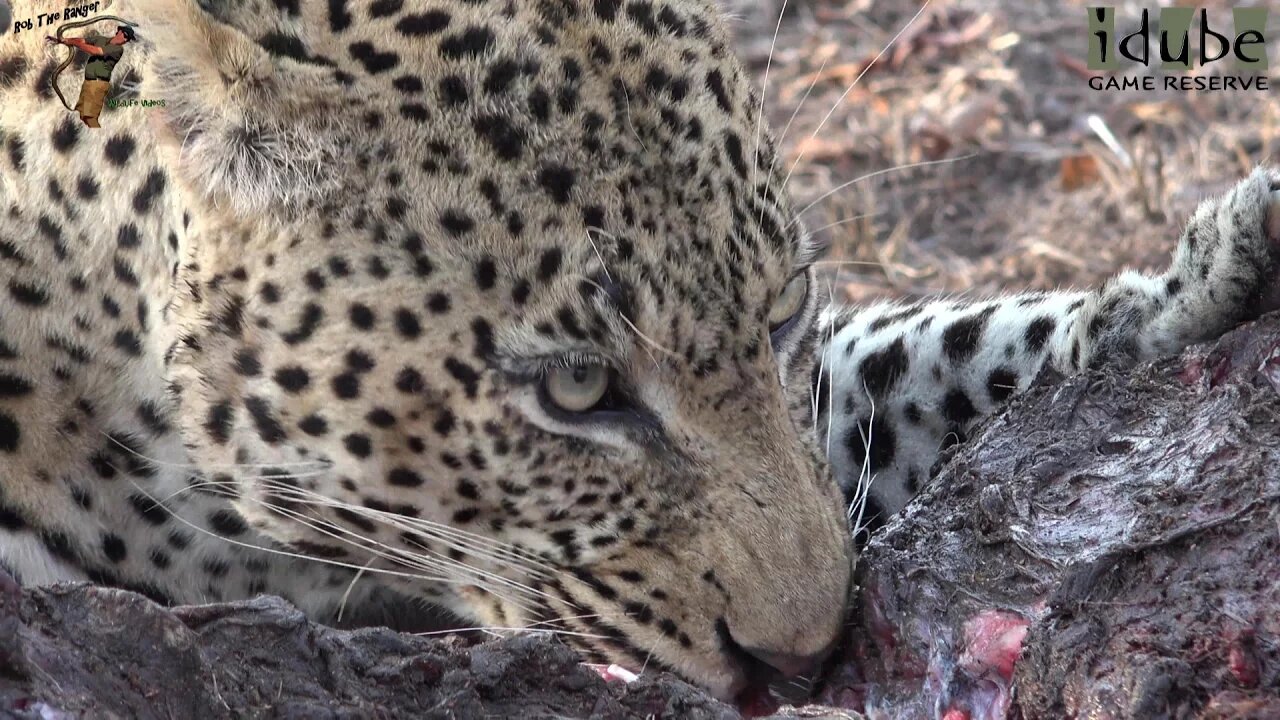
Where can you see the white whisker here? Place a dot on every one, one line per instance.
(286, 553)
(837, 224)
(877, 173)
(230, 466)
(342, 604)
(764, 92)
(597, 249)
(475, 576)
(839, 101)
(566, 633)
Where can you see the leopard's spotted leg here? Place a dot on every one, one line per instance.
(899, 382)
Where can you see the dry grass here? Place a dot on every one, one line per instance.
(1028, 195)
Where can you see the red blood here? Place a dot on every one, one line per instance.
(1192, 373)
(756, 702)
(1243, 663)
(955, 714)
(993, 640)
(1220, 371)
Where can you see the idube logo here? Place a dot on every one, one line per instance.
(1178, 49)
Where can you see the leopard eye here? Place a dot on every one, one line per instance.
(789, 302)
(577, 389)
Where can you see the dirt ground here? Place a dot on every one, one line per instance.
(1021, 191)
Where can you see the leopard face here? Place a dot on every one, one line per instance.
(502, 303)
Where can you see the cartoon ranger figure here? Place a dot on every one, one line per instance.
(104, 52)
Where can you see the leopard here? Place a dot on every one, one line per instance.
(498, 308)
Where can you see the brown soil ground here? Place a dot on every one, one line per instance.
(1023, 193)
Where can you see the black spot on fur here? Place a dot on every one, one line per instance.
(113, 547)
(407, 324)
(558, 181)
(284, 45)
(11, 70)
(385, 8)
(128, 342)
(119, 149)
(292, 379)
(264, 420)
(453, 90)
(962, 339)
(716, 84)
(153, 417)
(957, 408)
(147, 194)
(506, 140)
(422, 24)
(486, 274)
(549, 264)
(881, 370)
(404, 477)
(373, 60)
(456, 222)
(17, 153)
(607, 10)
(346, 386)
(438, 303)
(67, 134)
(408, 84)
(86, 188)
(29, 295)
(470, 43)
(464, 374)
(1001, 383)
(1038, 333)
(227, 523)
(339, 18)
(14, 385)
(149, 509)
(218, 422)
(879, 434)
(307, 324)
(10, 434)
(11, 519)
(313, 425)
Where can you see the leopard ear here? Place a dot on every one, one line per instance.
(253, 133)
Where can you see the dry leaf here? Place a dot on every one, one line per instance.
(1078, 171)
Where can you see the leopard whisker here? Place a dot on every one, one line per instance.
(346, 594)
(764, 93)
(839, 101)
(596, 248)
(516, 630)
(479, 545)
(865, 478)
(227, 466)
(831, 338)
(477, 577)
(287, 553)
(773, 164)
(839, 223)
(877, 173)
(506, 557)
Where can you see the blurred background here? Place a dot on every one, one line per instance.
(1035, 181)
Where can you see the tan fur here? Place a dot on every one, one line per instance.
(705, 530)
